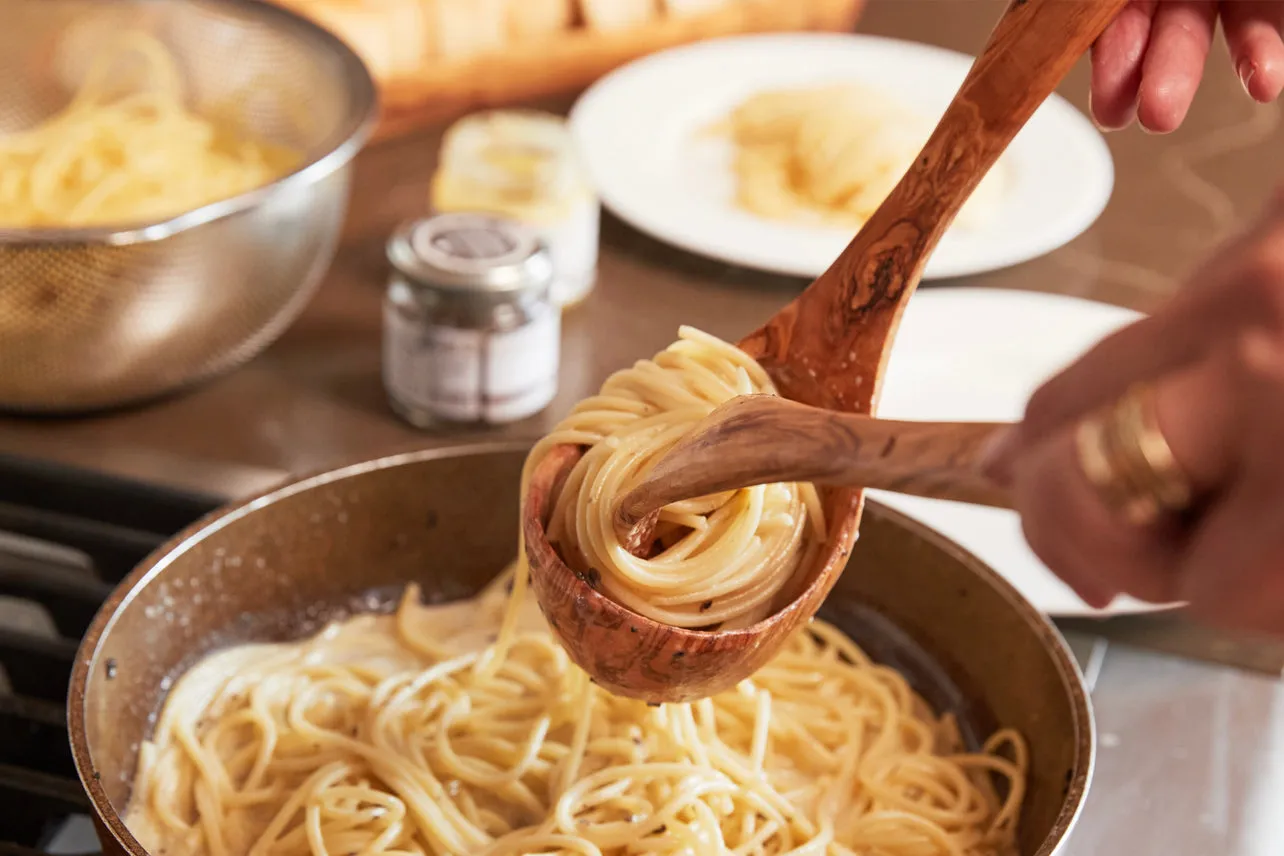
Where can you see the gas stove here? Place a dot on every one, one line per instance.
(66, 538)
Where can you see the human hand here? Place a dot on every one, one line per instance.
(1149, 61)
(1214, 356)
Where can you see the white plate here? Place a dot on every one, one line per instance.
(641, 131)
(976, 354)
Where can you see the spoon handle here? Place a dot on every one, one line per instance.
(760, 439)
(830, 345)
(940, 460)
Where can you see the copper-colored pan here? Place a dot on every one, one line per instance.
(279, 566)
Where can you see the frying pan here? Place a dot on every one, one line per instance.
(280, 566)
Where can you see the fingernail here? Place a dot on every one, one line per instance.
(1246, 70)
(1092, 114)
(997, 455)
(1094, 593)
(1102, 126)
(1098, 598)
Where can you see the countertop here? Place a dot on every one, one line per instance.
(1192, 755)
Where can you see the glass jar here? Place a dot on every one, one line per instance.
(523, 165)
(470, 335)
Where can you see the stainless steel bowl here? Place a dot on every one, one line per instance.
(277, 566)
(98, 317)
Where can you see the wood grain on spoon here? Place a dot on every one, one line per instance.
(827, 348)
(762, 439)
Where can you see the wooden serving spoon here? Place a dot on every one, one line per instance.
(827, 348)
(762, 439)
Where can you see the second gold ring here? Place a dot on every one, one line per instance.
(1127, 459)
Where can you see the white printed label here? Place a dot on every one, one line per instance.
(521, 367)
(573, 248)
(469, 376)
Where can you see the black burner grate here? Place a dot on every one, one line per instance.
(66, 537)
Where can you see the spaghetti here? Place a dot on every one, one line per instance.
(831, 155)
(126, 150)
(722, 559)
(465, 728)
(388, 735)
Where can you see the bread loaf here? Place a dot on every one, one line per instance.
(461, 29)
(390, 36)
(612, 15)
(530, 20)
(438, 59)
(692, 7)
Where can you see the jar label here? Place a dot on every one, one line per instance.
(462, 375)
(573, 246)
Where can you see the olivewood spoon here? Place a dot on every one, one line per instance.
(828, 349)
(762, 439)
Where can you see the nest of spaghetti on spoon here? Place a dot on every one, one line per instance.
(728, 579)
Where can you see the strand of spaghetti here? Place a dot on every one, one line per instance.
(464, 728)
(727, 569)
(659, 791)
(126, 149)
(830, 155)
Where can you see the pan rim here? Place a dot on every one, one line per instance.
(107, 818)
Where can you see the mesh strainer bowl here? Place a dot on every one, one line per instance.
(93, 318)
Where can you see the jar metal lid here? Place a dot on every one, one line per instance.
(471, 253)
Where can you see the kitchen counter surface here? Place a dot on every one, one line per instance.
(315, 398)
(1192, 755)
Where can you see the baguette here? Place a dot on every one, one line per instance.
(461, 29)
(530, 20)
(613, 15)
(691, 7)
(410, 34)
(389, 35)
(561, 62)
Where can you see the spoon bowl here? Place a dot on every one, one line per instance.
(640, 658)
(827, 348)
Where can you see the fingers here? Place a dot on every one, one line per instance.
(1221, 409)
(1116, 65)
(1180, 37)
(1148, 63)
(1231, 574)
(1242, 283)
(1253, 35)
(1068, 526)
(1096, 550)
(1138, 352)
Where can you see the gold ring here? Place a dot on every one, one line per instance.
(1127, 459)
